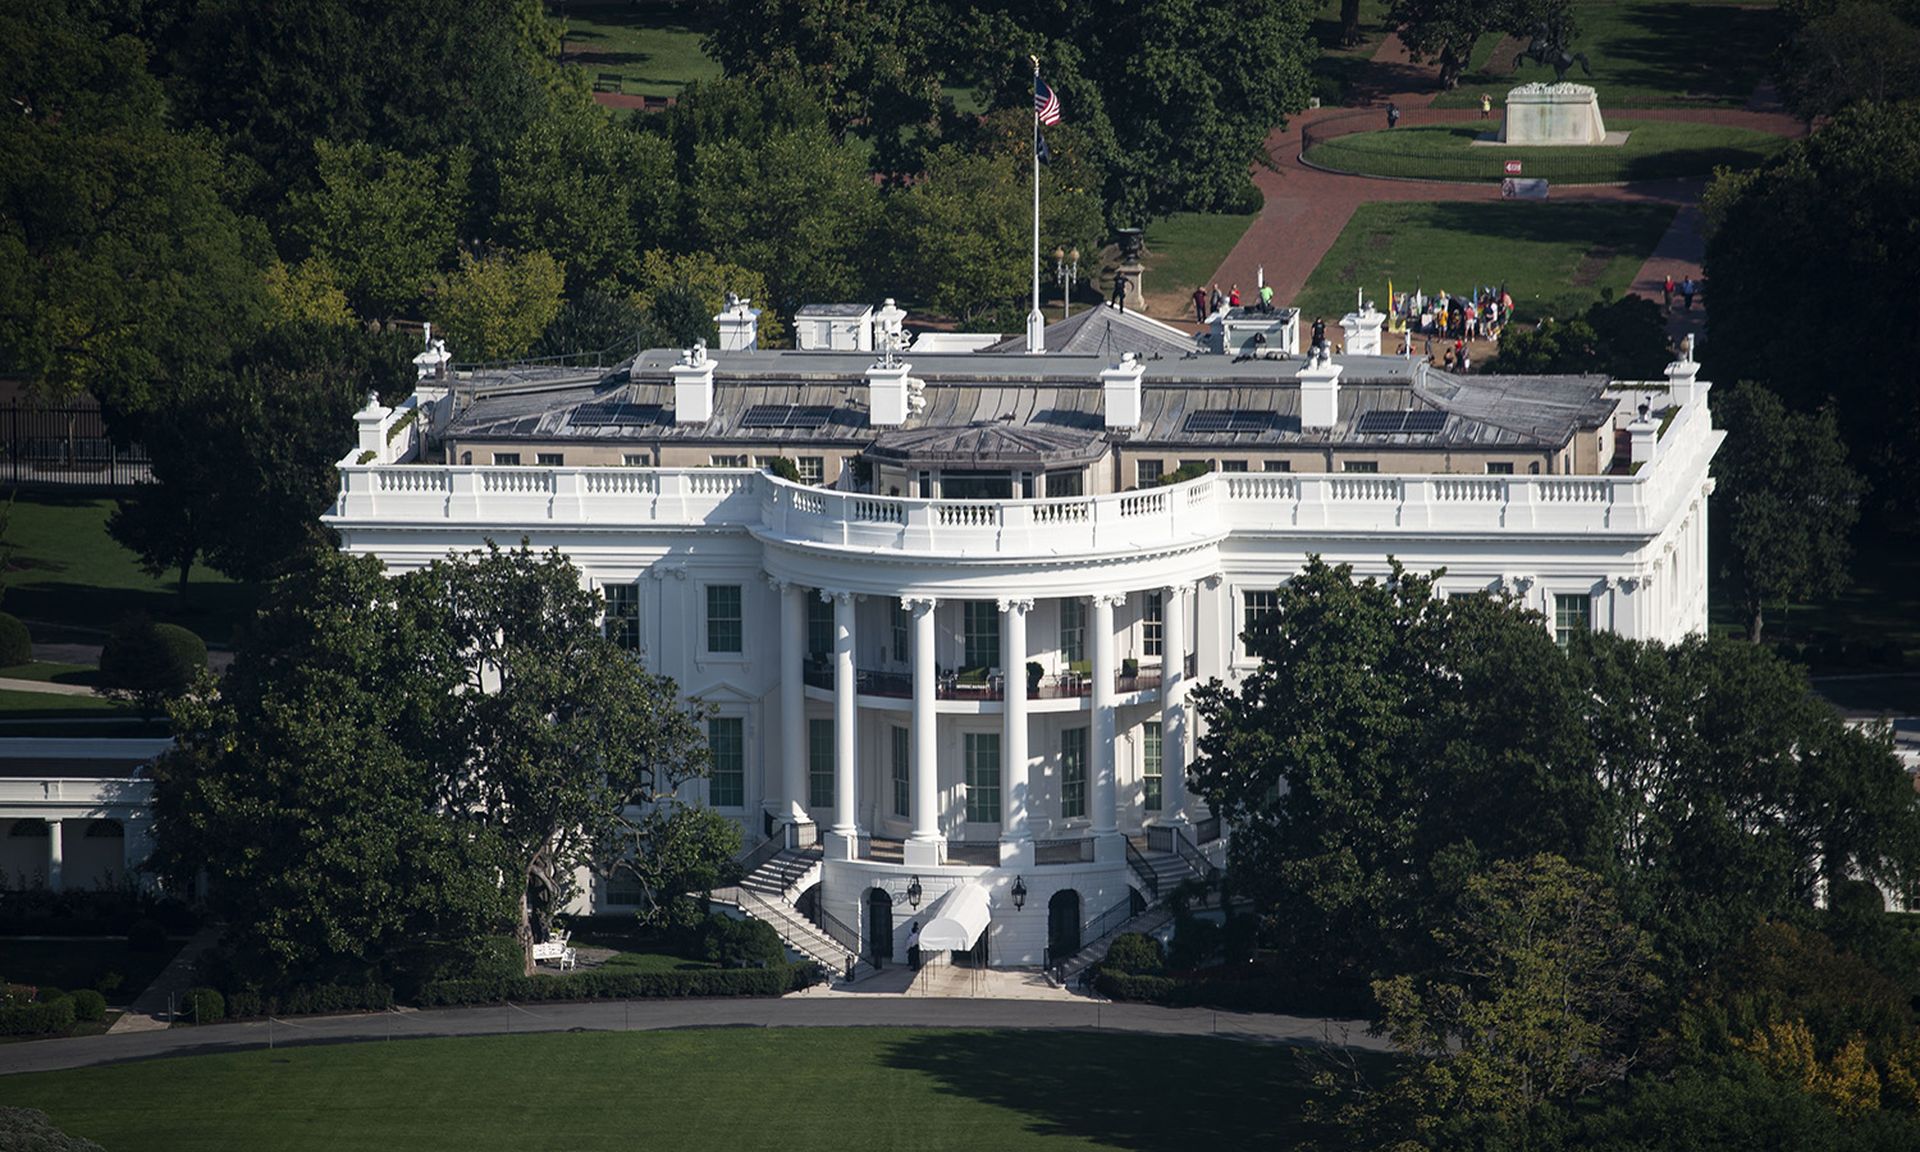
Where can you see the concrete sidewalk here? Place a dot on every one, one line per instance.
(800, 1010)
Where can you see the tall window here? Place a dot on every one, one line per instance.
(622, 622)
(1073, 629)
(819, 628)
(1571, 616)
(1153, 624)
(1146, 473)
(1258, 606)
(812, 469)
(819, 763)
(983, 777)
(982, 620)
(902, 766)
(726, 739)
(1073, 773)
(900, 620)
(724, 623)
(1150, 764)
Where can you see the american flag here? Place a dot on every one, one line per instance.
(1046, 105)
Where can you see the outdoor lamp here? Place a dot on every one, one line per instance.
(913, 892)
(1019, 893)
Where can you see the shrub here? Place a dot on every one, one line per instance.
(785, 469)
(205, 1006)
(618, 985)
(151, 663)
(147, 936)
(1194, 944)
(109, 982)
(1233, 995)
(734, 943)
(309, 1000)
(37, 1019)
(89, 1005)
(30, 1128)
(16, 647)
(1134, 952)
(47, 994)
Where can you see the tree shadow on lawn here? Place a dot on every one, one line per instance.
(1685, 50)
(86, 613)
(1627, 227)
(1187, 1092)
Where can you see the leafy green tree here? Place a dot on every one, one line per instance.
(592, 193)
(689, 851)
(562, 751)
(1856, 51)
(1813, 265)
(305, 293)
(1445, 30)
(496, 306)
(681, 294)
(1788, 499)
(962, 233)
(384, 221)
(595, 319)
(1533, 1003)
(1626, 339)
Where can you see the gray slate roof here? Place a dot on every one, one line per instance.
(1104, 331)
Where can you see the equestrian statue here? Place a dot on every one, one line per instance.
(1551, 50)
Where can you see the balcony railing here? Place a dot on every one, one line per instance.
(1124, 522)
(1066, 850)
(949, 685)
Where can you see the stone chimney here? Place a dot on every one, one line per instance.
(693, 385)
(887, 393)
(890, 326)
(1683, 377)
(1319, 392)
(431, 363)
(1643, 436)
(1120, 391)
(739, 325)
(1362, 329)
(370, 424)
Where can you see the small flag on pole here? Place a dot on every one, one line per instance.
(1046, 153)
(1046, 105)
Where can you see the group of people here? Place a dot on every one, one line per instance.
(1479, 315)
(1206, 304)
(1687, 289)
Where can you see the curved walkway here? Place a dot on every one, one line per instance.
(797, 1011)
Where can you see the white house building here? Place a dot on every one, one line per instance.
(949, 666)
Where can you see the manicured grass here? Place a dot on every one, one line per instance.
(1185, 249)
(72, 964)
(653, 962)
(1654, 150)
(16, 704)
(1644, 53)
(48, 672)
(1554, 258)
(654, 47)
(836, 1090)
(70, 581)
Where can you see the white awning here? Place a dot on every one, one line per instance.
(958, 919)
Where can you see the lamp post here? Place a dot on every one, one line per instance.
(1066, 269)
(1019, 893)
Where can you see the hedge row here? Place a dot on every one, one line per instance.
(774, 981)
(310, 1000)
(1233, 995)
(37, 1019)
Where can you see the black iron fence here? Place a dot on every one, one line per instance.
(66, 447)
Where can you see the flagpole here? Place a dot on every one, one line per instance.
(1036, 321)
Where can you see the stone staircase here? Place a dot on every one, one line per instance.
(1152, 920)
(785, 876)
(768, 894)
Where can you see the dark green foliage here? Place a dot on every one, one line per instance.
(54, 1017)
(204, 1006)
(1445, 30)
(309, 1000)
(1134, 952)
(1849, 52)
(147, 936)
(151, 663)
(29, 1130)
(47, 994)
(1731, 1106)
(1191, 470)
(773, 981)
(1196, 943)
(16, 647)
(1625, 339)
(784, 468)
(89, 1005)
(1787, 502)
(734, 943)
(596, 319)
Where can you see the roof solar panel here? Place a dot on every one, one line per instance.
(1424, 422)
(786, 416)
(615, 415)
(1236, 420)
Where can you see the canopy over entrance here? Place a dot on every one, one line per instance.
(958, 919)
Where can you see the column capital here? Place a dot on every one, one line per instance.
(1110, 599)
(916, 603)
(776, 583)
(1214, 580)
(1174, 589)
(1022, 605)
(1517, 583)
(832, 595)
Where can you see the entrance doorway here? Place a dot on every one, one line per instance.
(879, 927)
(1063, 926)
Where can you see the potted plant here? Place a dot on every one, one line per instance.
(1129, 668)
(1034, 673)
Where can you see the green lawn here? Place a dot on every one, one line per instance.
(1645, 53)
(48, 672)
(651, 45)
(16, 704)
(653, 962)
(74, 964)
(70, 581)
(836, 1090)
(1654, 150)
(1186, 248)
(1554, 258)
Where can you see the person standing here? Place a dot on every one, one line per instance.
(1393, 114)
(1214, 300)
(1266, 298)
(1666, 293)
(1200, 305)
(1119, 298)
(1687, 289)
(1233, 297)
(1486, 106)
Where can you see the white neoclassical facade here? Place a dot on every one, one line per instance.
(74, 813)
(957, 652)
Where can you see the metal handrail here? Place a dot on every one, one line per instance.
(1194, 858)
(1160, 838)
(1143, 870)
(752, 860)
(841, 934)
(1108, 922)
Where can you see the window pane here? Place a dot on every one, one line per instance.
(1150, 764)
(1361, 466)
(1146, 473)
(1152, 624)
(983, 778)
(819, 763)
(549, 459)
(1233, 465)
(723, 618)
(622, 622)
(1073, 773)
(901, 619)
(1259, 605)
(507, 458)
(812, 469)
(727, 787)
(1073, 629)
(982, 619)
(1571, 616)
(902, 764)
(819, 627)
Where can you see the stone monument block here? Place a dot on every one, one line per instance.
(1553, 114)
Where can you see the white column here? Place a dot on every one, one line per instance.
(1016, 838)
(846, 828)
(793, 704)
(135, 847)
(925, 848)
(1173, 705)
(54, 853)
(1105, 819)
